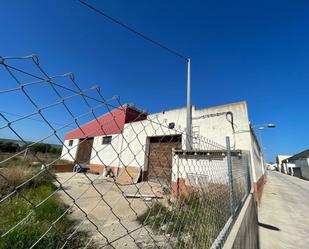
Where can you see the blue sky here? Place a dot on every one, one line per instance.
(241, 50)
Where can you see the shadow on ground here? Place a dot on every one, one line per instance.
(269, 226)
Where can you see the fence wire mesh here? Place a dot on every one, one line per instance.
(82, 171)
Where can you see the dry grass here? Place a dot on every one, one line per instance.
(38, 159)
(14, 176)
(194, 220)
(62, 162)
(19, 206)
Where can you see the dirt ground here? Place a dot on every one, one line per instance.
(111, 216)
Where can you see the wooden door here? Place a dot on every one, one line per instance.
(160, 157)
(84, 151)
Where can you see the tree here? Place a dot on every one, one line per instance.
(8, 147)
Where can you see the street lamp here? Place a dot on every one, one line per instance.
(261, 128)
(271, 125)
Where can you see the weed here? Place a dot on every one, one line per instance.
(36, 211)
(194, 219)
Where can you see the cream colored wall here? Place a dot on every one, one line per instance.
(256, 160)
(215, 128)
(131, 147)
(215, 170)
(280, 158)
(106, 154)
(303, 163)
(69, 152)
(135, 140)
(218, 128)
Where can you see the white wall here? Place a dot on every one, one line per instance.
(214, 170)
(256, 160)
(214, 128)
(69, 152)
(132, 144)
(303, 163)
(106, 154)
(217, 128)
(209, 169)
(136, 143)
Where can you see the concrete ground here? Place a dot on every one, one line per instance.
(284, 213)
(111, 216)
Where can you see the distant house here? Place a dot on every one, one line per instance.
(280, 166)
(298, 164)
(127, 137)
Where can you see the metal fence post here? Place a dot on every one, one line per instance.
(230, 176)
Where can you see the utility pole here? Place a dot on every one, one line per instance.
(160, 45)
(189, 109)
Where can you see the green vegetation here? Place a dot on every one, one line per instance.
(41, 147)
(6, 146)
(193, 221)
(30, 160)
(10, 147)
(48, 217)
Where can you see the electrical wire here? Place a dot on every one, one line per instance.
(132, 30)
(229, 118)
(29, 118)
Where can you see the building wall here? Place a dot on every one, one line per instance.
(303, 163)
(136, 141)
(106, 154)
(200, 170)
(209, 170)
(217, 128)
(256, 159)
(214, 128)
(69, 152)
(279, 160)
(131, 147)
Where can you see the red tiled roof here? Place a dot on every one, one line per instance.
(107, 124)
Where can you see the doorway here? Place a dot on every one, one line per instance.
(84, 151)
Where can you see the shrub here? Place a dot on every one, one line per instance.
(38, 220)
(191, 217)
(17, 160)
(8, 147)
(27, 233)
(14, 176)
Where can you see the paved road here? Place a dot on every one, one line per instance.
(284, 213)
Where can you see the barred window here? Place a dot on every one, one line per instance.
(70, 142)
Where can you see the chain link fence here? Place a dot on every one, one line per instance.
(83, 171)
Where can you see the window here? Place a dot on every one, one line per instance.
(70, 142)
(107, 140)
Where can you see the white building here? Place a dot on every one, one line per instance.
(298, 165)
(281, 167)
(128, 138)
